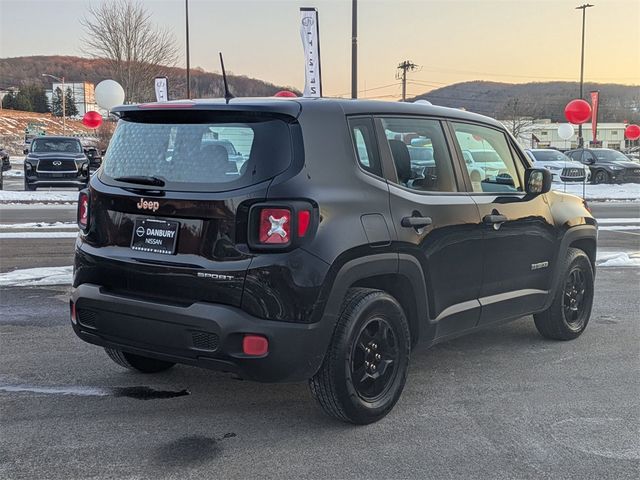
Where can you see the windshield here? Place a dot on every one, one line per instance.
(57, 145)
(213, 156)
(609, 155)
(550, 156)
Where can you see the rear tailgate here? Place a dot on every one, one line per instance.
(182, 239)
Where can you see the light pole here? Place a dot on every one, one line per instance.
(64, 109)
(186, 15)
(584, 10)
(354, 49)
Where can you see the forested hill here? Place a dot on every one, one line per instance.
(18, 71)
(538, 100)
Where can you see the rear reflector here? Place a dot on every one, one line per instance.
(255, 345)
(275, 226)
(304, 217)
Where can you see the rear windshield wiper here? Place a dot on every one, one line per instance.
(142, 180)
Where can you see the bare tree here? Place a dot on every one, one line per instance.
(122, 32)
(512, 116)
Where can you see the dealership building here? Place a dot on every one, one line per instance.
(544, 134)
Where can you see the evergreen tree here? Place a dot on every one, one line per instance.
(70, 103)
(8, 101)
(37, 97)
(22, 102)
(56, 102)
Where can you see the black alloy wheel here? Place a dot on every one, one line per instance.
(601, 177)
(573, 302)
(374, 359)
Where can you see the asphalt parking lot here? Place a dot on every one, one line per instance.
(500, 404)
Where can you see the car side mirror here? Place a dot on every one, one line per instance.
(537, 180)
(25, 151)
(588, 161)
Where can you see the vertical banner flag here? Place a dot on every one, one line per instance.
(594, 114)
(310, 34)
(162, 89)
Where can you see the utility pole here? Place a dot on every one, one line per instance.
(186, 16)
(584, 10)
(354, 49)
(401, 74)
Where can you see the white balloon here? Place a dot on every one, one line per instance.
(109, 93)
(565, 131)
(423, 102)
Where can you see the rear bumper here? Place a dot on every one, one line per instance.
(201, 334)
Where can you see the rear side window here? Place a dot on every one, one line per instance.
(204, 156)
(488, 158)
(365, 145)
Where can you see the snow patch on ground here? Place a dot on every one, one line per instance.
(7, 196)
(8, 235)
(13, 173)
(618, 259)
(37, 277)
(619, 227)
(626, 191)
(39, 225)
(617, 221)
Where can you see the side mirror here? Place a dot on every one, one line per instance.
(537, 180)
(588, 161)
(25, 151)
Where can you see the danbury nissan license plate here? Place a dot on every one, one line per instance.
(153, 235)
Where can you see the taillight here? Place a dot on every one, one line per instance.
(275, 226)
(281, 224)
(83, 210)
(304, 218)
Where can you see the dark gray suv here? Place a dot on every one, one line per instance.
(351, 231)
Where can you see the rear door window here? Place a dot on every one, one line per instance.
(204, 156)
(420, 154)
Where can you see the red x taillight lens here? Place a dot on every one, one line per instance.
(83, 210)
(275, 226)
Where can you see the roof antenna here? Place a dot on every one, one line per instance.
(227, 94)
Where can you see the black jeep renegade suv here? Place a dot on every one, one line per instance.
(328, 251)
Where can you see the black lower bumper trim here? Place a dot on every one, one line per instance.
(201, 334)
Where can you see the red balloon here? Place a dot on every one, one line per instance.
(285, 93)
(577, 111)
(92, 119)
(632, 132)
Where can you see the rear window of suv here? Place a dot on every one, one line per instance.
(216, 154)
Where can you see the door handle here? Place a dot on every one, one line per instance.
(494, 218)
(416, 222)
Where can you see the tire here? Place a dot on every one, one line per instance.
(138, 363)
(568, 315)
(371, 342)
(601, 177)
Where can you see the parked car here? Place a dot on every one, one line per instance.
(563, 168)
(95, 157)
(326, 259)
(483, 164)
(607, 165)
(5, 164)
(55, 162)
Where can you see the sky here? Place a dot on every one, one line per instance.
(451, 41)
